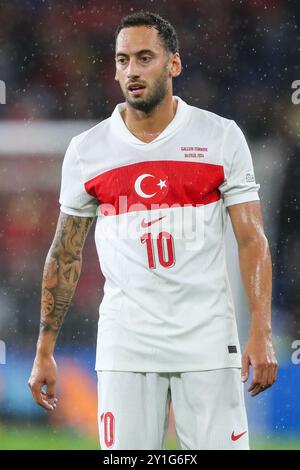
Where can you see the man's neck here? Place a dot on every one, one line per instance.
(147, 127)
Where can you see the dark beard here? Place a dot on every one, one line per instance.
(154, 99)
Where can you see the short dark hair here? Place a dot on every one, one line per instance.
(166, 31)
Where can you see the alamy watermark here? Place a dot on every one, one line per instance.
(2, 352)
(2, 92)
(296, 354)
(168, 222)
(296, 94)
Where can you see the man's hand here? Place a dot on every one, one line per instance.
(260, 354)
(44, 372)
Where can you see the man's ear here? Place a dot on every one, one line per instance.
(176, 66)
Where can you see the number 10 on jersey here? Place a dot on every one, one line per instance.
(159, 249)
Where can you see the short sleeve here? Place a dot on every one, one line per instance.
(74, 200)
(239, 182)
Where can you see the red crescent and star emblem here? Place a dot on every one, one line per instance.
(152, 187)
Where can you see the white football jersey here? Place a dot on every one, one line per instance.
(161, 219)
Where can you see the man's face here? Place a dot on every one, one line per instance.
(143, 67)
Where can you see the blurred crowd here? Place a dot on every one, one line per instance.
(239, 58)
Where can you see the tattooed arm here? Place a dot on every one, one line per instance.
(60, 277)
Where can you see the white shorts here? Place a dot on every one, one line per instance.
(209, 409)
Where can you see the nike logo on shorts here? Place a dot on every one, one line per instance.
(236, 437)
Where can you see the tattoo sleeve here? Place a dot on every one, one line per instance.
(62, 270)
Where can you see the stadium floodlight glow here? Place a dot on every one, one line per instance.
(2, 92)
(2, 353)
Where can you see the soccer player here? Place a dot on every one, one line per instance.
(162, 177)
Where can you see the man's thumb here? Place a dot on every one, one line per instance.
(245, 368)
(50, 392)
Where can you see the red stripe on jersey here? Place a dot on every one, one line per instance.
(154, 184)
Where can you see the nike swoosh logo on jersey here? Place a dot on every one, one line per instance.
(145, 224)
(237, 436)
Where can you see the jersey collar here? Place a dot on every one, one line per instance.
(120, 128)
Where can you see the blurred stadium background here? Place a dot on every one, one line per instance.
(240, 58)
